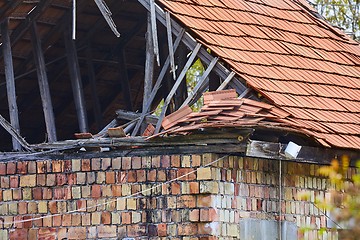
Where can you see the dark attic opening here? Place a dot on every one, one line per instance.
(64, 85)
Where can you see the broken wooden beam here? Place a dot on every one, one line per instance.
(127, 115)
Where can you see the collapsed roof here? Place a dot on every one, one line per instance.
(280, 53)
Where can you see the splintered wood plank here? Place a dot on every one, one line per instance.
(154, 31)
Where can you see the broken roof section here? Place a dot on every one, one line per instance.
(295, 59)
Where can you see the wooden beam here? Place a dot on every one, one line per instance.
(105, 11)
(127, 115)
(176, 85)
(92, 82)
(203, 78)
(149, 64)
(226, 81)
(154, 31)
(43, 85)
(190, 42)
(76, 82)
(157, 85)
(170, 45)
(10, 83)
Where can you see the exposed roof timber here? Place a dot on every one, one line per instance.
(191, 43)
(319, 155)
(8, 9)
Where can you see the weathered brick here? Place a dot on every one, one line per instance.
(5, 182)
(208, 215)
(28, 181)
(76, 220)
(165, 161)
(204, 174)
(106, 191)
(81, 178)
(26, 193)
(37, 193)
(209, 187)
(116, 163)
(105, 164)
(175, 161)
(4, 234)
(14, 181)
(17, 234)
(106, 218)
(107, 231)
(126, 163)
(86, 219)
(43, 167)
(7, 195)
(61, 179)
(77, 233)
(116, 190)
(186, 174)
(32, 207)
(95, 191)
(95, 218)
(10, 168)
(110, 177)
(90, 177)
(50, 180)
(100, 177)
(76, 165)
(2, 172)
(146, 162)
(125, 217)
(131, 203)
(43, 206)
(194, 215)
(85, 165)
(187, 229)
(21, 167)
(151, 175)
(95, 164)
(22, 207)
(58, 166)
(47, 233)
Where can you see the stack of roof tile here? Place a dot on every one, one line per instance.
(284, 51)
(222, 109)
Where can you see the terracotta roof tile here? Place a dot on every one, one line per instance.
(297, 61)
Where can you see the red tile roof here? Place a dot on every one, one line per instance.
(294, 59)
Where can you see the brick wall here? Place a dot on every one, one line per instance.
(96, 198)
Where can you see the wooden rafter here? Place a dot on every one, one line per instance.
(190, 42)
(9, 8)
(43, 85)
(177, 84)
(76, 82)
(157, 84)
(10, 84)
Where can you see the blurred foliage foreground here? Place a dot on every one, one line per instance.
(342, 204)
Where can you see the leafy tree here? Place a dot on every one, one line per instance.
(341, 13)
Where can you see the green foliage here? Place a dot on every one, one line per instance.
(344, 200)
(192, 77)
(341, 13)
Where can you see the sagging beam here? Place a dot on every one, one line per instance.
(105, 11)
(43, 85)
(10, 84)
(74, 69)
(176, 85)
(190, 42)
(157, 84)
